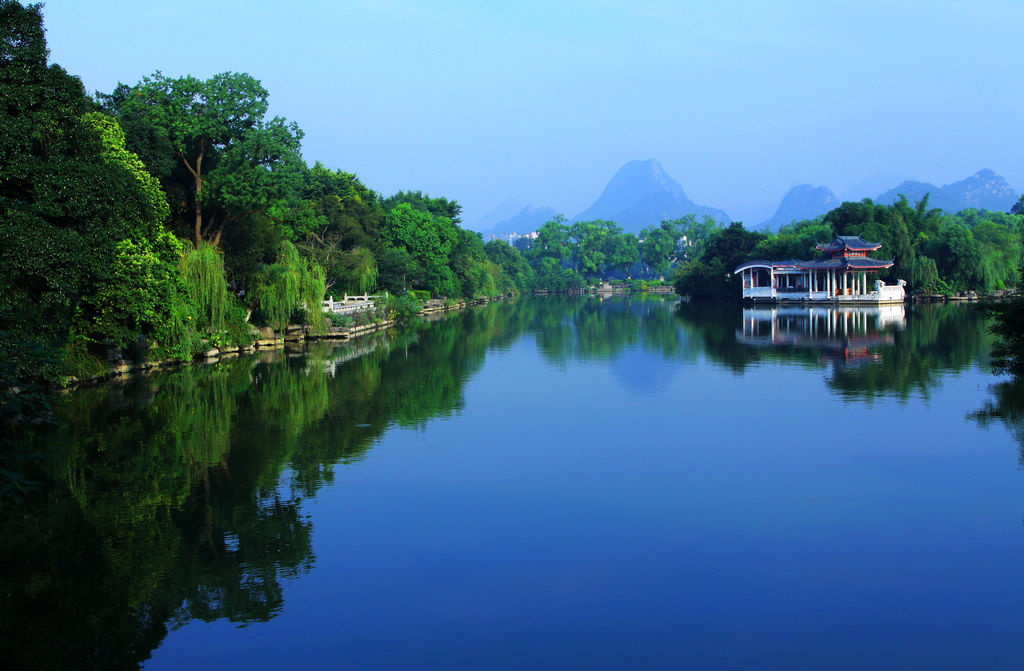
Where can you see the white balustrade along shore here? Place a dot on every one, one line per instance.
(353, 304)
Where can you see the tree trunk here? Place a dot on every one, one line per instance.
(199, 190)
(197, 173)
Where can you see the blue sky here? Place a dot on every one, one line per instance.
(541, 102)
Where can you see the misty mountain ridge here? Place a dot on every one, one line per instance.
(504, 210)
(526, 220)
(803, 201)
(984, 190)
(642, 194)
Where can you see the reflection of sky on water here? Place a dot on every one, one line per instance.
(643, 371)
(751, 520)
(540, 485)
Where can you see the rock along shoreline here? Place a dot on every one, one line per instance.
(266, 340)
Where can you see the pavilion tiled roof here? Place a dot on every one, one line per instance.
(829, 260)
(852, 242)
(849, 262)
(823, 263)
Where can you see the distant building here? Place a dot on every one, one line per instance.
(842, 274)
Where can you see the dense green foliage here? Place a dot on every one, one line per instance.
(288, 285)
(183, 495)
(1008, 325)
(710, 274)
(160, 217)
(934, 251)
(100, 201)
(71, 198)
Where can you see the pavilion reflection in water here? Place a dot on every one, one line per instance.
(844, 334)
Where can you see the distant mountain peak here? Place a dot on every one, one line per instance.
(985, 189)
(803, 201)
(641, 194)
(525, 220)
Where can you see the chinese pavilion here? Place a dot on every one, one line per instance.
(840, 275)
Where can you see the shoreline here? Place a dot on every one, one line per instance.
(294, 334)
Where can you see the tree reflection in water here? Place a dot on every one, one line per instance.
(1006, 408)
(866, 355)
(179, 496)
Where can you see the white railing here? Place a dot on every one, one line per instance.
(758, 292)
(883, 293)
(353, 304)
(891, 292)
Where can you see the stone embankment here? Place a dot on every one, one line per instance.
(608, 289)
(958, 296)
(266, 339)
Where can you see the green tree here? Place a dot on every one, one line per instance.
(237, 161)
(711, 276)
(397, 270)
(958, 258)
(288, 285)
(552, 242)
(70, 194)
(429, 239)
(338, 225)
(794, 241)
(417, 200)
(659, 246)
(511, 262)
(589, 240)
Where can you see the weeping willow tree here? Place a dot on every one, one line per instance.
(289, 284)
(203, 270)
(360, 268)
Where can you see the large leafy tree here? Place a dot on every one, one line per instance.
(337, 224)
(70, 194)
(797, 240)
(429, 239)
(658, 247)
(589, 249)
(621, 251)
(710, 276)
(236, 162)
(511, 262)
(553, 242)
(439, 207)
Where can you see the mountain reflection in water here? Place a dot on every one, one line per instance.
(191, 495)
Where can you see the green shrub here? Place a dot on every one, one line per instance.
(403, 308)
(339, 320)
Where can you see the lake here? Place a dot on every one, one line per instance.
(544, 483)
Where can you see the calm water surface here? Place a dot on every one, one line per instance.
(546, 483)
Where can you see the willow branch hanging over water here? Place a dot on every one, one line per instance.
(289, 284)
(203, 269)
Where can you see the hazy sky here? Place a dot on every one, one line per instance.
(542, 102)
